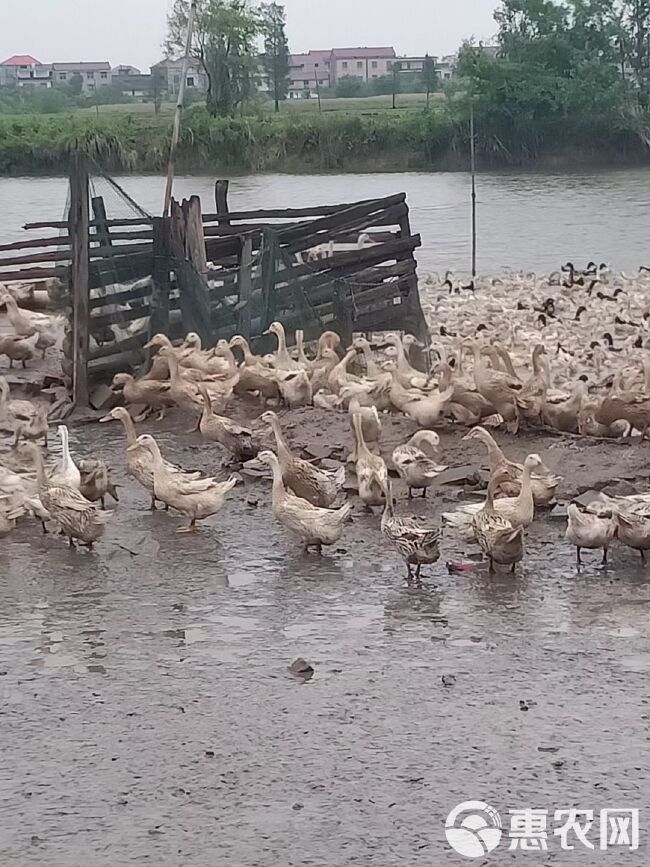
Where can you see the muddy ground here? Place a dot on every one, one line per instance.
(149, 717)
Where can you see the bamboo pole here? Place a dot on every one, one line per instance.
(176, 129)
(472, 154)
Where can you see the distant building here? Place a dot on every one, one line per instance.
(363, 63)
(93, 75)
(414, 65)
(316, 70)
(129, 81)
(23, 70)
(125, 70)
(446, 67)
(309, 72)
(168, 74)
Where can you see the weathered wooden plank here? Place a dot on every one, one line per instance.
(300, 244)
(221, 201)
(61, 224)
(78, 230)
(285, 213)
(102, 234)
(245, 287)
(60, 271)
(353, 217)
(159, 322)
(32, 243)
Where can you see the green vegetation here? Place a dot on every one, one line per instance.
(570, 83)
(571, 75)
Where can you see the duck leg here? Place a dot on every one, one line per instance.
(578, 559)
(410, 493)
(424, 493)
(71, 542)
(153, 506)
(604, 560)
(642, 553)
(191, 528)
(491, 569)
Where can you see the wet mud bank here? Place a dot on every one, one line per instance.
(149, 714)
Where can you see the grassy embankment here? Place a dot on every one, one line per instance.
(349, 135)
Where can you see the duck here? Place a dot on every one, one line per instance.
(371, 470)
(186, 393)
(591, 527)
(501, 543)
(544, 484)
(498, 388)
(406, 375)
(238, 441)
(96, 482)
(13, 413)
(283, 361)
(66, 473)
(338, 376)
(36, 428)
(314, 525)
(155, 395)
(139, 460)
(8, 518)
(564, 416)
(250, 360)
(295, 388)
(415, 466)
(19, 348)
(320, 487)
(197, 499)
(418, 544)
(79, 519)
(370, 424)
(519, 510)
(27, 322)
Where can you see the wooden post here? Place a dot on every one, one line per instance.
(192, 287)
(415, 316)
(159, 319)
(472, 158)
(194, 236)
(176, 129)
(221, 200)
(245, 286)
(267, 268)
(78, 228)
(102, 233)
(344, 325)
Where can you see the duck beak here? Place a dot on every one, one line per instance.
(108, 417)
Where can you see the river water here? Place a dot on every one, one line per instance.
(525, 219)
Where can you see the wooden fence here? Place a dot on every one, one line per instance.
(348, 267)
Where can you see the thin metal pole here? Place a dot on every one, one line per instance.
(176, 129)
(472, 155)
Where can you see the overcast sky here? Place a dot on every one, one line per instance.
(131, 31)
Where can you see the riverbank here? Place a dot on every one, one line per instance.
(304, 143)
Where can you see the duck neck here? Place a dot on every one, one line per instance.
(526, 492)
(129, 429)
(278, 485)
(362, 448)
(283, 448)
(66, 460)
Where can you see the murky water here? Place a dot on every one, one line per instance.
(526, 220)
(148, 714)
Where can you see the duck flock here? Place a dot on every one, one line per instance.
(568, 353)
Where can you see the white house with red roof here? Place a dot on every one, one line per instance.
(22, 70)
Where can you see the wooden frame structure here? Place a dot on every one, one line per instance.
(349, 267)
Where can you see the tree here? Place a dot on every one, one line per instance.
(224, 44)
(75, 84)
(636, 36)
(429, 76)
(276, 50)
